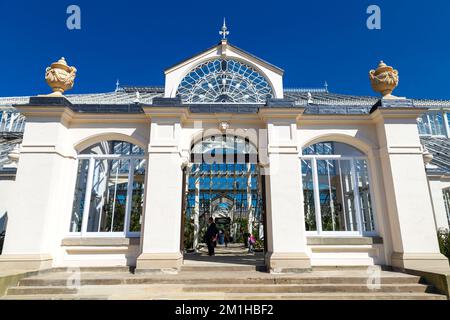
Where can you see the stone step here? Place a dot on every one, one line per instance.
(240, 296)
(92, 269)
(221, 268)
(208, 282)
(63, 280)
(41, 290)
(228, 288)
(310, 288)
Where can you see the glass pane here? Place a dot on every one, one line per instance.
(364, 195)
(224, 81)
(308, 196)
(220, 144)
(422, 123)
(446, 194)
(80, 193)
(348, 195)
(438, 124)
(113, 147)
(108, 196)
(138, 196)
(332, 148)
(336, 195)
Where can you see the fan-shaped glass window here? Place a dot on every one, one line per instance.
(224, 144)
(114, 147)
(224, 149)
(336, 189)
(224, 81)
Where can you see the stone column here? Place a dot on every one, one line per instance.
(43, 187)
(286, 234)
(160, 240)
(409, 204)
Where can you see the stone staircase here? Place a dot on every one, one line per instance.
(219, 281)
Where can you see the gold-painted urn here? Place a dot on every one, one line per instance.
(384, 80)
(60, 77)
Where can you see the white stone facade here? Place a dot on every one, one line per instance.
(43, 193)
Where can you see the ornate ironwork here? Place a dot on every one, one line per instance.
(224, 31)
(224, 81)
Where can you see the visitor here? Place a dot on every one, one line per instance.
(221, 236)
(211, 236)
(245, 236)
(226, 238)
(251, 243)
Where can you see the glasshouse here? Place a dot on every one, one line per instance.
(132, 177)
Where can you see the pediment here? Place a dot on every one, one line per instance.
(264, 71)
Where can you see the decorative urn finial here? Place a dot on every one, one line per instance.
(60, 77)
(384, 80)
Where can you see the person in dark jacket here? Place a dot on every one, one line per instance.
(211, 236)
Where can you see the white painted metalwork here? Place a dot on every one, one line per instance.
(11, 121)
(107, 173)
(350, 190)
(433, 123)
(446, 195)
(224, 32)
(224, 144)
(224, 81)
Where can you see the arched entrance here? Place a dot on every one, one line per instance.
(223, 181)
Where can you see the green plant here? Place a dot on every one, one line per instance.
(444, 242)
(259, 245)
(188, 234)
(242, 228)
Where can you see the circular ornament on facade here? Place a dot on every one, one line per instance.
(224, 81)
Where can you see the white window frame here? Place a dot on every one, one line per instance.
(315, 176)
(92, 158)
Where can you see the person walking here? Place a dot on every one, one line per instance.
(251, 243)
(226, 238)
(211, 236)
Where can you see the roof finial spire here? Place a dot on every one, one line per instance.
(326, 86)
(117, 85)
(224, 32)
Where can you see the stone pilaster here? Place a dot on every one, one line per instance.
(43, 186)
(286, 234)
(160, 240)
(409, 204)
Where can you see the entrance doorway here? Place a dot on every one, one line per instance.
(224, 182)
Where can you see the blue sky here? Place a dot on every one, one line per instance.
(312, 41)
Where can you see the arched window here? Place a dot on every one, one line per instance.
(224, 149)
(336, 189)
(109, 190)
(224, 81)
